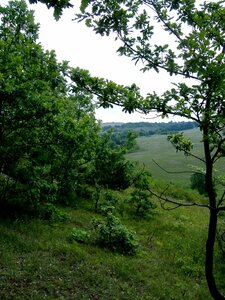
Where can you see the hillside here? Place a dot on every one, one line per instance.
(40, 260)
(61, 260)
(177, 165)
(148, 128)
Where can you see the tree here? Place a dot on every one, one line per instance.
(195, 55)
(31, 85)
(48, 131)
(109, 168)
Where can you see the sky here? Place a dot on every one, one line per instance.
(79, 45)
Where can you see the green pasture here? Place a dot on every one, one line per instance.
(172, 167)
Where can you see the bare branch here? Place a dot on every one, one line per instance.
(163, 204)
(222, 208)
(176, 203)
(219, 148)
(221, 200)
(175, 172)
(163, 192)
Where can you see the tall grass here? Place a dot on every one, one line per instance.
(38, 260)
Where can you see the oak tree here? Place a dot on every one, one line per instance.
(47, 130)
(194, 56)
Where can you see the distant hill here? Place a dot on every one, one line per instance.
(148, 129)
(112, 124)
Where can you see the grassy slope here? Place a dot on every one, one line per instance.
(159, 149)
(38, 261)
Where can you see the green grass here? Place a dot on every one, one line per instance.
(39, 261)
(157, 148)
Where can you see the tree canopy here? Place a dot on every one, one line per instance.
(49, 136)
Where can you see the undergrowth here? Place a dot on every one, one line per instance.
(62, 260)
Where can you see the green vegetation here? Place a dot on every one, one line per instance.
(141, 196)
(120, 131)
(112, 234)
(157, 149)
(160, 158)
(41, 260)
(97, 236)
(51, 145)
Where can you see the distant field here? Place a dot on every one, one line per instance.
(157, 148)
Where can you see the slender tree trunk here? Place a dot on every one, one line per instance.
(209, 262)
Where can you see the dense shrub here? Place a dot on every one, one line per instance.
(109, 203)
(198, 183)
(141, 196)
(48, 130)
(79, 235)
(109, 168)
(142, 203)
(111, 233)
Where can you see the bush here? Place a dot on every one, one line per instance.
(114, 235)
(142, 203)
(79, 235)
(198, 183)
(109, 203)
(110, 169)
(50, 212)
(140, 197)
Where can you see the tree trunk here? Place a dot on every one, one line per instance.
(210, 255)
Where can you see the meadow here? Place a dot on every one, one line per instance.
(172, 167)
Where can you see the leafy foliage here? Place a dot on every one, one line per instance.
(109, 168)
(114, 235)
(195, 54)
(79, 235)
(58, 5)
(47, 132)
(140, 197)
(109, 204)
(198, 183)
(51, 145)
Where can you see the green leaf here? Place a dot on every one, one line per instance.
(84, 5)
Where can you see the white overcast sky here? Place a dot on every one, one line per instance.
(80, 46)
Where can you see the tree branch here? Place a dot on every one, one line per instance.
(214, 157)
(221, 200)
(153, 7)
(173, 172)
(176, 203)
(144, 58)
(222, 208)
